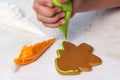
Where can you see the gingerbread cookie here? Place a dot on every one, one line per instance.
(31, 53)
(73, 59)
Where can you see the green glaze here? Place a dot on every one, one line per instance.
(57, 67)
(67, 7)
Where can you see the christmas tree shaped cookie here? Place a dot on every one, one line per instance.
(31, 53)
(73, 59)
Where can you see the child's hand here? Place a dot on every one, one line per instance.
(49, 15)
(53, 17)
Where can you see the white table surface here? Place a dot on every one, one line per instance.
(101, 29)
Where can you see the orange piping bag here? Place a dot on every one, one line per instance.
(31, 53)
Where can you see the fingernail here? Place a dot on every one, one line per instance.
(49, 4)
(63, 14)
(63, 21)
(59, 9)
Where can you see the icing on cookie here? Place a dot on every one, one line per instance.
(73, 59)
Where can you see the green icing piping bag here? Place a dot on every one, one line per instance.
(67, 8)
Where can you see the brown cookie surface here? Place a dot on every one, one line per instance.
(73, 59)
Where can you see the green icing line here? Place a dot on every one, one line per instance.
(67, 7)
(59, 56)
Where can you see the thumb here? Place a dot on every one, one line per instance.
(62, 1)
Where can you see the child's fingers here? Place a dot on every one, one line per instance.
(48, 12)
(55, 25)
(50, 19)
